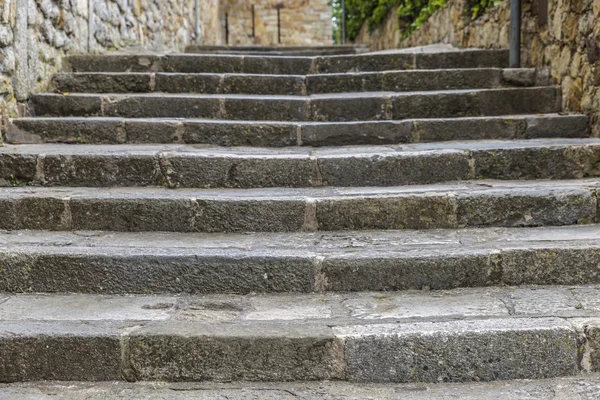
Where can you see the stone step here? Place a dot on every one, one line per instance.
(333, 261)
(279, 50)
(190, 166)
(452, 205)
(399, 81)
(471, 58)
(326, 107)
(96, 130)
(581, 387)
(450, 336)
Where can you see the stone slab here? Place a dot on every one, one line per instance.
(472, 58)
(460, 351)
(99, 130)
(249, 167)
(155, 262)
(395, 81)
(583, 387)
(331, 107)
(460, 204)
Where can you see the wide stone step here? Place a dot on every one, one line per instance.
(248, 167)
(109, 130)
(477, 203)
(397, 81)
(472, 58)
(581, 387)
(326, 107)
(279, 50)
(455, 336)
(338, 261)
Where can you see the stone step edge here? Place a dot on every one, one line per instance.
(503, 348)
(307, 64)
(158, 267)
(332, 309)
(292, 84)
(456, 205)
(332, 107)
(286, 133)
(543, 389)
(178, 166)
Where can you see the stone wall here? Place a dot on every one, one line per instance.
(36, 34)
(303, 22)
(568, 44)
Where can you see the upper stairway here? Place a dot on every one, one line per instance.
(230, 217)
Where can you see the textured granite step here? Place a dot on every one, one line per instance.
(582, 387)
(460, 204)
(325, 107)
(109, 130)
(105, 262)
(250, 167)
(123, 82)
(472, 58)
(279, 50)
(455, 336)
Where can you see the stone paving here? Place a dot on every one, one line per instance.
(424, 217)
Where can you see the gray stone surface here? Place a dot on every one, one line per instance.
(330, 107)
(185, 261)
(469, 203)
(278, 134)
(288, 65)
(179, 165)
(111, 262)
(39, 350)
(115, 82)
(415, 336)
(460, 351)
(577, 388)
(186, 351)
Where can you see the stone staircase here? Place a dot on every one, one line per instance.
(372, 218)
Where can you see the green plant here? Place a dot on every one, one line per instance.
(14, 181)
(478, 7)
(412, 14)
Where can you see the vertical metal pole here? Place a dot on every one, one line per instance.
(226, 30)
(253, 22)
(343, 21)
(197, 26)
(515, 34)
(278, 25)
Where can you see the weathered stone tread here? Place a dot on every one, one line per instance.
(114, 82)
(453, 336)
(176, 263)
(252, 64)
(452, 205)
(331, 107)
(107, 130)
(583, 387)
(176, 165)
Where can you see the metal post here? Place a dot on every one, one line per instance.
(197, 27)
(278, 25)
(343, 21)
(253, 22)
(515, 34)
(226, 30)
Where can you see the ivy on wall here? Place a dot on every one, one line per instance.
(412, 14)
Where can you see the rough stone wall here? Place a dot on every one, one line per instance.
(36, 34)
(303, 22)
(568, 44)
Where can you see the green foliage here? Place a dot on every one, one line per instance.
(478, 7)
(412, 14)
